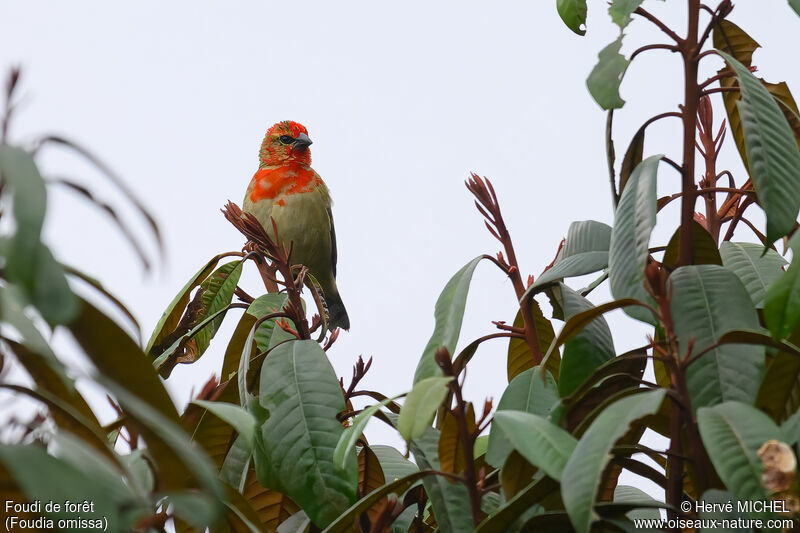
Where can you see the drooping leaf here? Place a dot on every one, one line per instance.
(573, 13)
(527, 392)
(707, 302)
(393, 463)
(756, 269)
(704, 249)
(772, 151)
(539, 441)
(420, 406)
(732, 432)
(628, 494)
(243, 422)
(630, 237)
(449, 313)
(604, 80)
(582, 473)
(588, 349)
(295, 444)
(585, 251)
(621, 11)
(519, 354)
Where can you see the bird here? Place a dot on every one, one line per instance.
(287, 190)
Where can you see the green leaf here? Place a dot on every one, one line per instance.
(261, 307)
(196, 509)
(420, 406)
(523, 504)
(630, 237)
(573, 13)
(45, 478)
(582, 473)
(707, 302)
(585, 251)
(732, 432)
(782, 301)
(772, 151)
(242, 421)
(721, 497)
(172, 315)
(628, 494)
(393, 463)
(50, 292)
(621, 11)
(527, 392)
(604, 80)
(779, 394)
(348, 439)
(756, 269)
(449, 313)
(217, 295)
(449, 501)
(539, 441)
(295, 445)
(588, 349)
(633, 156)
(795, 4)
(791, 429)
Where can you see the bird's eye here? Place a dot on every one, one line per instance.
(285, 139)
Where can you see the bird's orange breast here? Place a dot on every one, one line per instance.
(285, 180)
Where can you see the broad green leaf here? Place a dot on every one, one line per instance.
(588, 349)
(351, 434)
(756, 269)
(449, 313)
(519, 356)
(573, 13)
(630, 237)
(237, 462)
(183, 350)
(604, 80)
(50, 292)
(194, 508)
(715, 496)
(707, 302)
(772, 152)
(791, 429)
(46, 478)
(704, 248)
(261, 307)
(779, 394)
(795, 4)
(732, 432)
(527, 392)
(621, 11)
(172, 315)
(295, 444)
(522, 506)
(449, 501)
(539, 441)
(393, 463)
(217, 295)
(782, 301)
(420, 406)
(233, 352)
(585, 251)
(242, 421)
(297, 523)
(584, 469)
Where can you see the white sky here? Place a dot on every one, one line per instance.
(401, 102)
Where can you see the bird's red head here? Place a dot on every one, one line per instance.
(285, 142)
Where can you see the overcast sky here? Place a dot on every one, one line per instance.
(402, 102)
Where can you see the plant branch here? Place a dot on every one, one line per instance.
(663, 27)
(670, 47)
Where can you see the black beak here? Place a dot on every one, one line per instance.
(302, 142)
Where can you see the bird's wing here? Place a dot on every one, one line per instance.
(333, 242)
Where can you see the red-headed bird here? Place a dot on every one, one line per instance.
(287, 189)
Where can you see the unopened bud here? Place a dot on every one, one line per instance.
(442, 359)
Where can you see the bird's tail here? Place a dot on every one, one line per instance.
(337, 313)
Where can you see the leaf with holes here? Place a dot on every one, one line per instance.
(604, 80)
(634, 220)
(707, 302)
(621, 11)
(573, 13)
